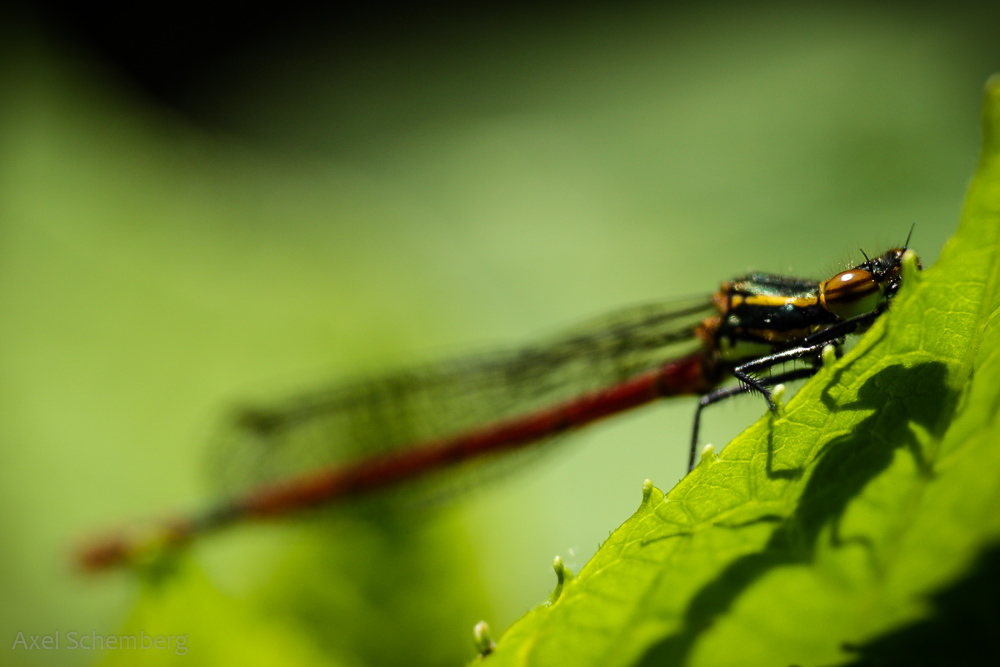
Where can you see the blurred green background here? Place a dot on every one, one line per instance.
(329, 197)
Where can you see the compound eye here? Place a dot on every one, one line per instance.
(851, 293)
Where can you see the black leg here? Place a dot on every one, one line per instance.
(841, 329)
(728, 392)
(812, 346)
(744, 372)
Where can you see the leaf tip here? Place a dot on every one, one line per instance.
(828, 356)
(777, 400)
(482, 639)
(562, 572)
(911, 268)
(563, 576)
(708, 456)
(647, 491)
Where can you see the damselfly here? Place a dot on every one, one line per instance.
(358, 438)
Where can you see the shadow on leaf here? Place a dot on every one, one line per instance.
(898, 396)
(961, 630)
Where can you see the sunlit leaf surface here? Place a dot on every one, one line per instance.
(864, 511)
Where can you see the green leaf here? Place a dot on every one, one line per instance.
(320, 597)
(169, 626)
(853, 525)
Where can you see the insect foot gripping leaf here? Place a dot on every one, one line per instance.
(860, 525)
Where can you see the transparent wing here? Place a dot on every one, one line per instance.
(266, 443)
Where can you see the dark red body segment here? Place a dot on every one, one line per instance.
(675, 378)
(682, 376)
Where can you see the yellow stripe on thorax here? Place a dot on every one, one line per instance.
(774, 301)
